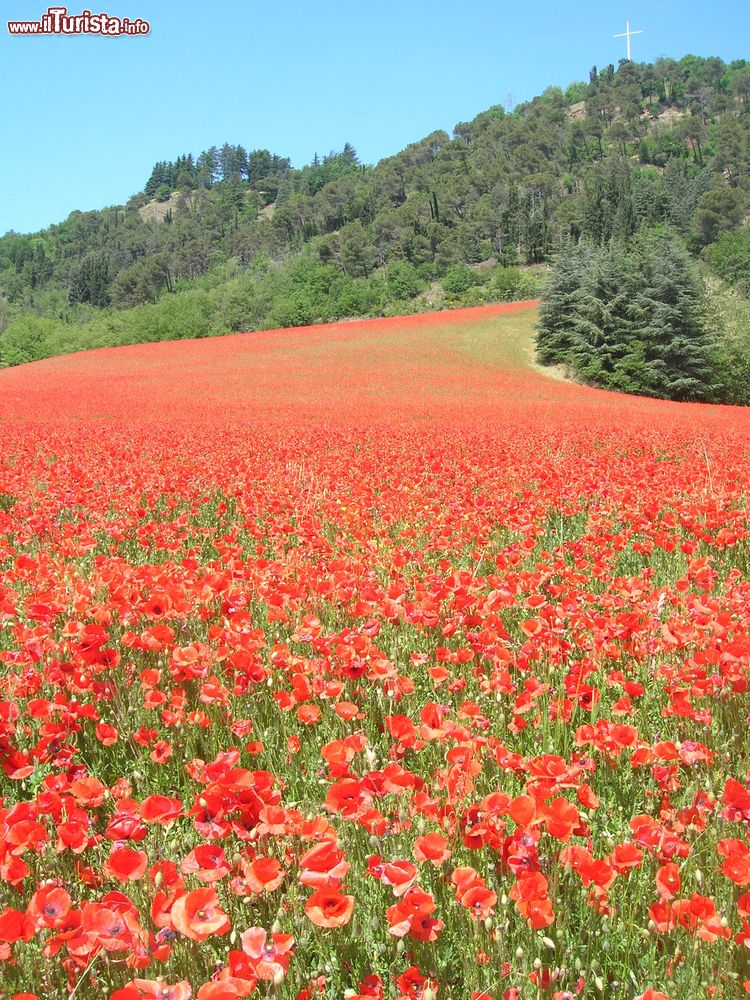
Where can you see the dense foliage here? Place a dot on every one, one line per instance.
(630, 319)
(639, 146)
(730, 258)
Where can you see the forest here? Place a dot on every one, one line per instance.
(225, 239)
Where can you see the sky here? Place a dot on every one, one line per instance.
(84, 118)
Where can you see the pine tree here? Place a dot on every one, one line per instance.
(678, 349)
(629, 319)
(553, 337)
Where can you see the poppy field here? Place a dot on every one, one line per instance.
(367, 661)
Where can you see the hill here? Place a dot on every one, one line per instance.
(229, 240)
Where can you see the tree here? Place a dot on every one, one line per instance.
(629, 319)
(141, 282)
(358, 255)
(555, 337)
(668, 309)
(207, 167)
(90, 281)
(402, 280)
(718, 211)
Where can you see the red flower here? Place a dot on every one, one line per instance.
(15, 925)
(49, 907)
(668, 881)
(433, 848)
(207, 862)
(198, 915)
(269, 954)
(125, 864)
(329, 908)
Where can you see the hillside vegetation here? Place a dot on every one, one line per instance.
(229, 240)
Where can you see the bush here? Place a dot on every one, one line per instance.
(458, 279)
(730, 258)
(511, 284)
(402, 280)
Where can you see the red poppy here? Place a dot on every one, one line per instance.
(108, 926)
(329, 908)
(269, 953)
(49, 906)
(125, 864)
(207, 862)
(198, 915)
(736, 864)
(15, 925)
(433, 848)
(158, 989)
(226, 989)
(530, 895)
(400, 875)
(160, 809)
(668, 881)
(323, 865)
(262, 875)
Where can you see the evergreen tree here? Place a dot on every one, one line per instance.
(678, 348)
(89, 282)
(555, 337)
(629, 319)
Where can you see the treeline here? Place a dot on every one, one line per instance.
(635, 147)
(215, 166)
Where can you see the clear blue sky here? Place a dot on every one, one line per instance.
(85, 118)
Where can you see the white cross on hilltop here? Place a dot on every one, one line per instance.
(628, 34)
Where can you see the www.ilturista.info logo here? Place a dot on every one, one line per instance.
(57, 21)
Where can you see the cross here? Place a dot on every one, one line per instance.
(628, 34)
